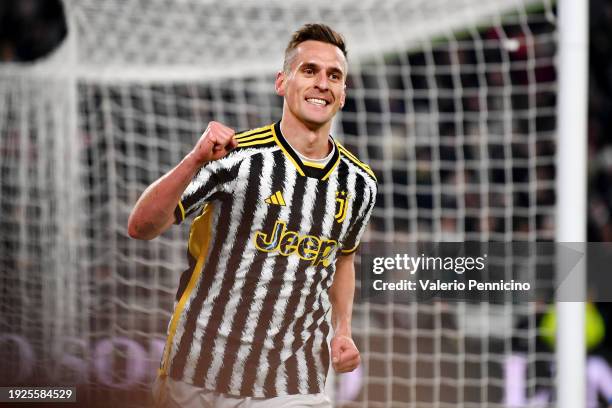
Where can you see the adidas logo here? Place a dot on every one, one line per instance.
(276, 198)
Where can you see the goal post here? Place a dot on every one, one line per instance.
(452, 103)
(572, 196)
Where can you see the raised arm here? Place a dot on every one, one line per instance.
(345, 355)
(154, 210)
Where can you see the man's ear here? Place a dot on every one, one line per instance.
(279, 83)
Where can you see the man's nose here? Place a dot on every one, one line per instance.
(321, 80)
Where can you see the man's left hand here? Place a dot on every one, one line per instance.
(345, 356)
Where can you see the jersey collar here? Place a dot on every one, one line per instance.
(321, 173)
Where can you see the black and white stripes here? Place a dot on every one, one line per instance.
(252, 320)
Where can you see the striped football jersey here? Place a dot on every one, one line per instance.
(251, 311)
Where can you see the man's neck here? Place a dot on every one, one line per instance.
(310, 143)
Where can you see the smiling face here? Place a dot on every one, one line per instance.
(314, 84)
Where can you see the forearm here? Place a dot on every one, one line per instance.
(154, 210)
(342, 293)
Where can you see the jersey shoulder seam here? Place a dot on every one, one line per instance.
(352, 159)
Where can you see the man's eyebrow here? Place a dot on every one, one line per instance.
(310, 65)
(336, 71)
(314, 65)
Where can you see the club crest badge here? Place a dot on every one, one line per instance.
(341, 206)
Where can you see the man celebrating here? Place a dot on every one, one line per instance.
(280, 211)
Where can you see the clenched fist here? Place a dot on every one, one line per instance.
(216, 142)
(345, 356)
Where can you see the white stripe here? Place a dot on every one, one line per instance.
(292, 267)
(328, 225)
(243, 268)
(210, 302)
(267, 270)
(285, 293)
(302, 370)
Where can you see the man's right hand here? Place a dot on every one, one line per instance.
(216, 142)
(154, 210)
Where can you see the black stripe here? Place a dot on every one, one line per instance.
(324, 276)
(335, 158)
(273, 293)
(318, 212)
(271, 143)
(178, 215)
(243, 236)
(208, 275)
(229, 276)
(356, 217)
(324, 356)
(186, 275)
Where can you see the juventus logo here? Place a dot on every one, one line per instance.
(341, 199)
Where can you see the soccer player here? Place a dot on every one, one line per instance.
(279, 213)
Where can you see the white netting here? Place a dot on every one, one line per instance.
(451, 102)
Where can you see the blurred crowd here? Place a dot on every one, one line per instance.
(600, 121)
(449, 138)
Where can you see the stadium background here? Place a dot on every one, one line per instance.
(31, 29)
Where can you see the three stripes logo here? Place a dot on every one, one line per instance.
(276, 199)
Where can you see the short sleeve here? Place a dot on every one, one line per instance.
(215, 177)
(353, 237)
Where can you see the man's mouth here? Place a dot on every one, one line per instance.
(317, 101)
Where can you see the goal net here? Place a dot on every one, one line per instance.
(451, 102)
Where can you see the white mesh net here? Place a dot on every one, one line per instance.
(452, 103)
